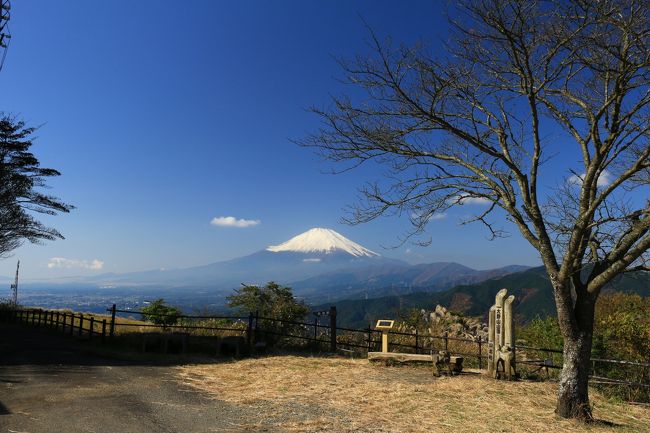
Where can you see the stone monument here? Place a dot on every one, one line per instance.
(501, 337)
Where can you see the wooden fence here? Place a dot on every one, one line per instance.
(321, 337)
(67, 323)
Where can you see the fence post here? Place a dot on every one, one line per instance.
(56, 327)
(92, 327)
(71, 323)
(103, 330)
(257, 325)
(446, 342)
(112, 332)
(315, 328)
(81, 323)
(417, 349)
(369, 337)
(33, 317)
(332, 329)
(249, 330)
(480, 354)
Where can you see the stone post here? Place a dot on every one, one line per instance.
(501, 336)
(490, 362)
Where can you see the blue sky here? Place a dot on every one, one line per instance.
(164, 115)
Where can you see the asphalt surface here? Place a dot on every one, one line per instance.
(53, 384)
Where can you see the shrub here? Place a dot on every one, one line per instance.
(271, 302)
(160, 313)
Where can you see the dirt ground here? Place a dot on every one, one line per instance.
(50, 384)
(343, 395)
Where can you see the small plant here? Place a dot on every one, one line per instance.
(160, 313)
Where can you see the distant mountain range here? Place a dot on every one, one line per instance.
(320, 265)
(393, 279)
(324, 268)
(532, 290)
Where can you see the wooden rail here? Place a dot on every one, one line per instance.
(79, 324)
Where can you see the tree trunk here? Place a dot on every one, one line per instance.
(573, 391)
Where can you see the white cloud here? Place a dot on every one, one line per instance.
(604, 179)
(233, 222)
(574, 179)
(435, 216)
(62, 262)
(465, 199)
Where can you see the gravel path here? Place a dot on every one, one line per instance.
(52, 384)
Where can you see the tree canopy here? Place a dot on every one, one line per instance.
(160, 313)
(272, 300)
(22, 180)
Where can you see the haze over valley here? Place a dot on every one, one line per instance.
(320, 264)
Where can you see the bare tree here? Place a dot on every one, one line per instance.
(21, 178)
(524, 82)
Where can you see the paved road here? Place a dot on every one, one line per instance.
(51, 384)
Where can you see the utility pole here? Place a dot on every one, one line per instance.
(14, 287)
(5, 34)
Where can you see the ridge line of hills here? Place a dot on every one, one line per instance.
(531, 287)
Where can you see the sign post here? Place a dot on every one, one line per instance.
(384, 326)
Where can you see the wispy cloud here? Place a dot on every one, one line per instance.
(604, 179)
(434, 217)
(62, 262)
(465, 199)
(230, 221)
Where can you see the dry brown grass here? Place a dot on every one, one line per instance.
(303, 394)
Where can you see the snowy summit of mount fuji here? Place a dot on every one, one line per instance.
(320, 240)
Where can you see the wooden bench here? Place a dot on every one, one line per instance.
(441, 361)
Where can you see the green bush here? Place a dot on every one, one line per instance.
(271, 302)
(160, 313)
(621, 332)
(541, 332)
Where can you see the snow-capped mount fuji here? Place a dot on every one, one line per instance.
(308, 254)
(320, 240)
(319, 264)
